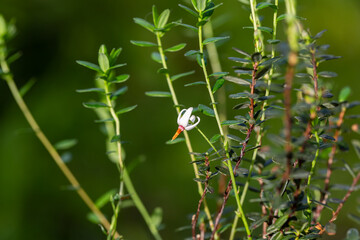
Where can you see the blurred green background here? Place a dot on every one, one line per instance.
(52, 34)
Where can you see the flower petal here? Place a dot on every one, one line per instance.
(180, 113)
(194, 125)
(184, 120)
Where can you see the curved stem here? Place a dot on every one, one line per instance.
(208, 85)
(124, 174)
(50, 148)
(187, 138)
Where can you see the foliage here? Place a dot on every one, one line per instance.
(279, 148)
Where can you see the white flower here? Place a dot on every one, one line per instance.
(186, 121)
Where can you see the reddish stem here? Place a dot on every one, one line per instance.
(347, 195)
(325, 194)
(196, 216)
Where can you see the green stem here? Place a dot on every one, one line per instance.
(208, 85)
(313, 164)
(208, 141)
(258, 37)
(49, 147)
(187, 138)
(216, 67)
(262, 118)
(240, 209)
(125, 177)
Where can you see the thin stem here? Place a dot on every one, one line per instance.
(208, 85)
(336, 213)
(330, 161)
(208, 141)
(50, 148)
(220, 94)
(216, 67)
(258, 37)
(196, 216)
(231, 184)
(187, 138)
(125, 177)
(313, 164)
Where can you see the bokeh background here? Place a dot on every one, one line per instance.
(52, 34)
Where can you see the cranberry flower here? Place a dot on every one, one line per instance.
(186, 121)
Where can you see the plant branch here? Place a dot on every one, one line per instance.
(347, 195)
(50, 148)
(325, 194)
(206, 76)
(187, 138)
(196, 216)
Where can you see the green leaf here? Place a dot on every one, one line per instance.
(191, 52)
(242, 52)
(115, 138)
(231, 122)
(218, 74)
(218, 84)
(239, 60)
(95, 105)
(176, 48)
(65, 144)
(119, 92)
(163, 18)
(327, 74)
(143, 43)
(177, 140)
(103, 62)
(354, 217)
(194, 3)
(117, 66)
(277, 225)
(105, 198)
(214, 39)
(187, 26)
(201, 5)
(195, 83)
(155, 16)
(192, 12)
(163, 71)
(263, 29)
(206, 110)
(98, 90)
(156, 216)
(210, 8)
(237, 80)
(158, 94)
(114, 55)
(125, 110)
(180, 75)
(344, 94)
(263, 5)
(273, 41)
(121, 78)
(28, 85)
(215, 138)
(144, 24)
(89, 65)
(356, 145)
(156, 57)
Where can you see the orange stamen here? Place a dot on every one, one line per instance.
(180, 129)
